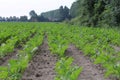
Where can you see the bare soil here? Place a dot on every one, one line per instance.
(117, 48)
(90, 71)
(4, 60)
(42, 65)
(13, 55)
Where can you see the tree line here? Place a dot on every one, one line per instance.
(57, 15)
(96, 12)
(60, 14)
(82, 12)
(14, 19)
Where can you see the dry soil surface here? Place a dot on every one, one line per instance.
(42, 65)
(90, 71)
(4, 60)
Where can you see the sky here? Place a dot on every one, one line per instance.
(23, 7)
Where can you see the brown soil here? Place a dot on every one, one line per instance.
(4, 60)
(117, 49)
(42, 65)
(13, 55)
(90, 71)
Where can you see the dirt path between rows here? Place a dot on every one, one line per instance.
(42, 65)
(13, 55)
(5, 59)
(90, 72)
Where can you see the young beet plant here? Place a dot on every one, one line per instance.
(17, 66)
(65, 71)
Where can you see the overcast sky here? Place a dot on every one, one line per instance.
(23, 7)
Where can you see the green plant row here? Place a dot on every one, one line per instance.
(58, 41)
(98, 43)
(65, 70)
(9, 30)
(17, 40)
(15, 67)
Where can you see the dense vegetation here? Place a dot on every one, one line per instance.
(82, 12)
(57, 15)
(98, 43)
(96, 12)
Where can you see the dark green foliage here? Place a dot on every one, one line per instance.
(116, 11)
(37, 18)
(23, 18)
(34, 16)
(10, 19)
(33, 13)
(57, 15)
(66, 12)
(41, 18)
(61, 11)
(97, 12)
(52, 15)
(74, 10)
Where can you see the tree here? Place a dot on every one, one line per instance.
(61, 11)
(66, 13)
(1, 18)
(23, 18)
(74, 12)
(33, 15)
(116, 11)
(57, 15)
(96, 12)
(41, 18)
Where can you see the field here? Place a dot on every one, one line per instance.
(58, 51)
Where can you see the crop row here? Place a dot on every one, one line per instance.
(18, 39)
(98, 43)
(16, 67)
